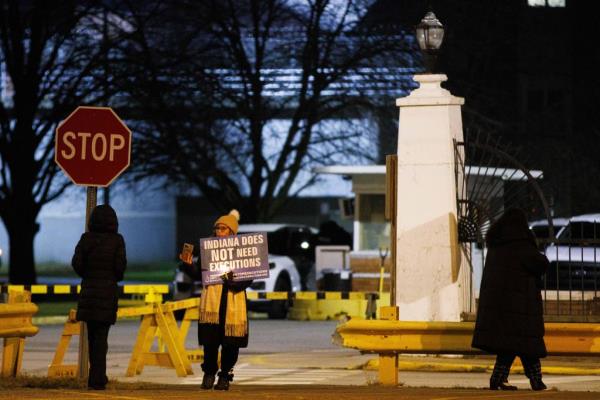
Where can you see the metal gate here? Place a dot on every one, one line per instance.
(490, 178)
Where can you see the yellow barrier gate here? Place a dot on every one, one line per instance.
(56, 368)
(160, 322)
(15, 326)
(72, 327)
(153, 293)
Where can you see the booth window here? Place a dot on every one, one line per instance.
(374, 230)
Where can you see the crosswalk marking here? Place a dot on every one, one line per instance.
(244, 375)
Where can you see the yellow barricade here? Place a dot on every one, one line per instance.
(153, 294)
(15, 326)
(161, 322)
(57, 369)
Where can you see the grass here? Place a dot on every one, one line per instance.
(158, 276)
(39, 382)
(157, 272)
(42, 382)
(54, 308)
(61, 308)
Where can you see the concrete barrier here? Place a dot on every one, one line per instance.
(323, 305)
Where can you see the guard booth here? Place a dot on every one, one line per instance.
(365, 206)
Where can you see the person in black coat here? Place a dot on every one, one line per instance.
(223, 317)
(100, 261)
(510, 320)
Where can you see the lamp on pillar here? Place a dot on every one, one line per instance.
(430, 35)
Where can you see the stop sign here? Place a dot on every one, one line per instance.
(92, 146)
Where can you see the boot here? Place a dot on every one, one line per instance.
(537, 384)
(207, 382)
(533, 370)
(499, 385)
(222, 383)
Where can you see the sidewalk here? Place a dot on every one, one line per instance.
(429, 363)
(550, 365)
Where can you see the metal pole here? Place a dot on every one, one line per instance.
(106, 191)
(106, 195)
(83, 354)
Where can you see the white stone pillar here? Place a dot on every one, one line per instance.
(428, 274)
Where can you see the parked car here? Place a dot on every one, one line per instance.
(291, 261)
(575, 255)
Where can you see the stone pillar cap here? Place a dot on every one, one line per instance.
(430, 93)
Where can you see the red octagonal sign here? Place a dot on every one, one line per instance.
(92, 146)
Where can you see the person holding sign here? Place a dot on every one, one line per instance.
(223, 318)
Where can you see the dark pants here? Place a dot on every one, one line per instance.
(98, 347)
(531, 365)
(229, 356)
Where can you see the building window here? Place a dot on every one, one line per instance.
(374, 230)
(546, 3)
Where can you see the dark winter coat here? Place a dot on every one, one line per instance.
(101, 261)
(212, 334)
(510, 313)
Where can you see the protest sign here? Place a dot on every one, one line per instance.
(245, 255)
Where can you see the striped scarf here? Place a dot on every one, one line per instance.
(236, 319)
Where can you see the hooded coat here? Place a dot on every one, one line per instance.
(510, 313)
(100, 261)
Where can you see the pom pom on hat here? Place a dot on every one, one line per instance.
(230, 220)
(235, 213)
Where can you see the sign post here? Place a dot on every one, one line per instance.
(93, 147)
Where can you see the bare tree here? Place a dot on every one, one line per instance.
(243, 77)
(51, 53)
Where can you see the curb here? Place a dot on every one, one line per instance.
(455, 367)
(50, 320)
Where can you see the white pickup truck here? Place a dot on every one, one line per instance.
(575, 255)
